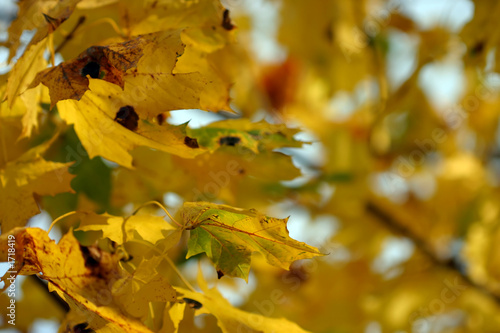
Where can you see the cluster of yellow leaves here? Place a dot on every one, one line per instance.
(90, 139)
(126, 65)
(108, 292)
(393, 150)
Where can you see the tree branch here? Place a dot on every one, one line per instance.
(452, 264)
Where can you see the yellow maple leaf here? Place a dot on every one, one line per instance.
(83, 284)
(45, 16)
(111, 130)
(231, 319)
(24, 71)
(25, 176)
(69, 79)
(120, 229)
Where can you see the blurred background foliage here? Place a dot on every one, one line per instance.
(398, 181)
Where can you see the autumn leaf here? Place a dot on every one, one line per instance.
(24, 71)
(231, 166)
(243, 133)
(45, 16)
(121, 229)
(144, 285)
(129, 114)
(68, 80)
(229, 236)
(36, 303)
(231, 319)
(133, 65)
(111, 130)
(83, 285)
(25, 177)
(173, 317)
(398, 182)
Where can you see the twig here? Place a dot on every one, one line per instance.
(451, 264)
(183, 279)
(70, 35)
(160, 206)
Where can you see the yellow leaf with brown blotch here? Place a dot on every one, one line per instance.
(78, 278)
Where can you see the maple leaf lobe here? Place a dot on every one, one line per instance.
(127, 117)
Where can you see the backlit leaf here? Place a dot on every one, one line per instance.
(24, 177)
(229, 236)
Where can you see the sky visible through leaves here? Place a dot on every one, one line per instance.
(250, 166)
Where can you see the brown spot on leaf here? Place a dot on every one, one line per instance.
(477, 49)
(81, 328)
(91, 69)
(68, 80)
(161, 118)
(226, 20)
(229, 141)
(91, 255)
(192, 303)
(220, 274)
(191, 142)
(127, 117)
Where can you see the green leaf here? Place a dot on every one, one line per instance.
(230, 235)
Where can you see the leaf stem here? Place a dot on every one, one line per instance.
(159, 205)
(376, 208)
(166, 257)
(151, 311)
(50, 45)
(70, 35)
(60, 218)
(183, 279)
(112, 23)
